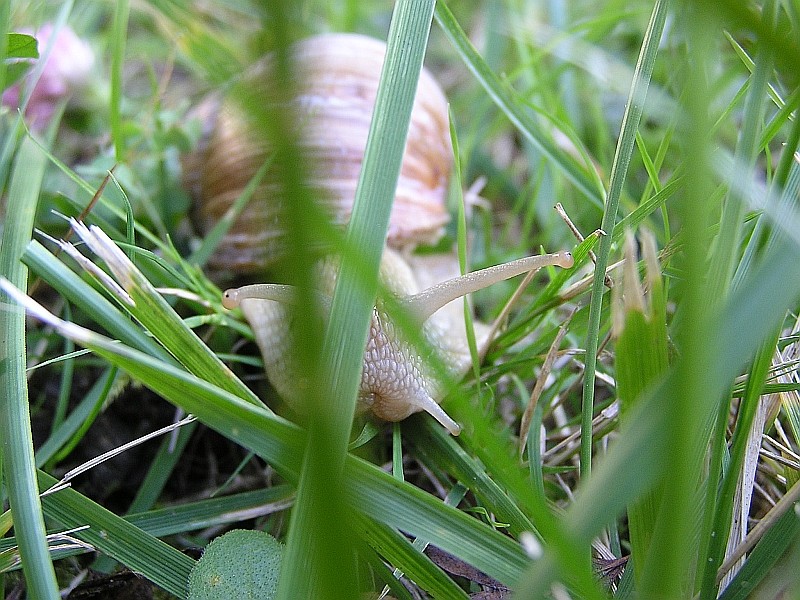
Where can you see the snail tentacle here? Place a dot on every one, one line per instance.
(430, 406)
(272, 292)
(422, 305)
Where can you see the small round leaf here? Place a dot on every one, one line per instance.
(240, 564)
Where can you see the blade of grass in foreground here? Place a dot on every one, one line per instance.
(318, 561)
(669, 570)
(15, 426)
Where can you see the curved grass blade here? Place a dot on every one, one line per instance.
(15, 425)
(317, 545)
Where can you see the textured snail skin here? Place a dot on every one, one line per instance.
(397, 379)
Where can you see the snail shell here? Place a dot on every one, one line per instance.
(337, 80)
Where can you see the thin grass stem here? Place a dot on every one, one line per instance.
(619, 170)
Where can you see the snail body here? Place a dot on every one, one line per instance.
(397, 378)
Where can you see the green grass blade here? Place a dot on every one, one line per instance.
(213, 512)
(92, 302)
(731, 222)
(633, 219)
(734, 475)
(619, 170)
(641, 360)
(418, 514)
(191, 516)
(119, 38)
(140, 298)
(84, 412)
(763, 558)
(397, 550)
(317, 543)
(787, 161)
(667, 569)
(499, 457)
(162, 564)
(538, 113)
(17, 456)
(436, 448)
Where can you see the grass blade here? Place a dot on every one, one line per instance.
(642, 359)
(317, 536)
(783, 533)
(117, 63)
(15, 426)
(112, 535)
(619, 170)
(398, 550)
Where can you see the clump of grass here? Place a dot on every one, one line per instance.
(667, 428)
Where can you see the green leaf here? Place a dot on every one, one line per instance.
(239, 564)
(21, 48)
(619, 171)
(641, 361)
(22, 45)
(321, 565)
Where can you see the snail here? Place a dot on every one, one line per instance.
(337, 82)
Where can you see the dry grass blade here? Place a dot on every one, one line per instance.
(538, 388)
(785, 504)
